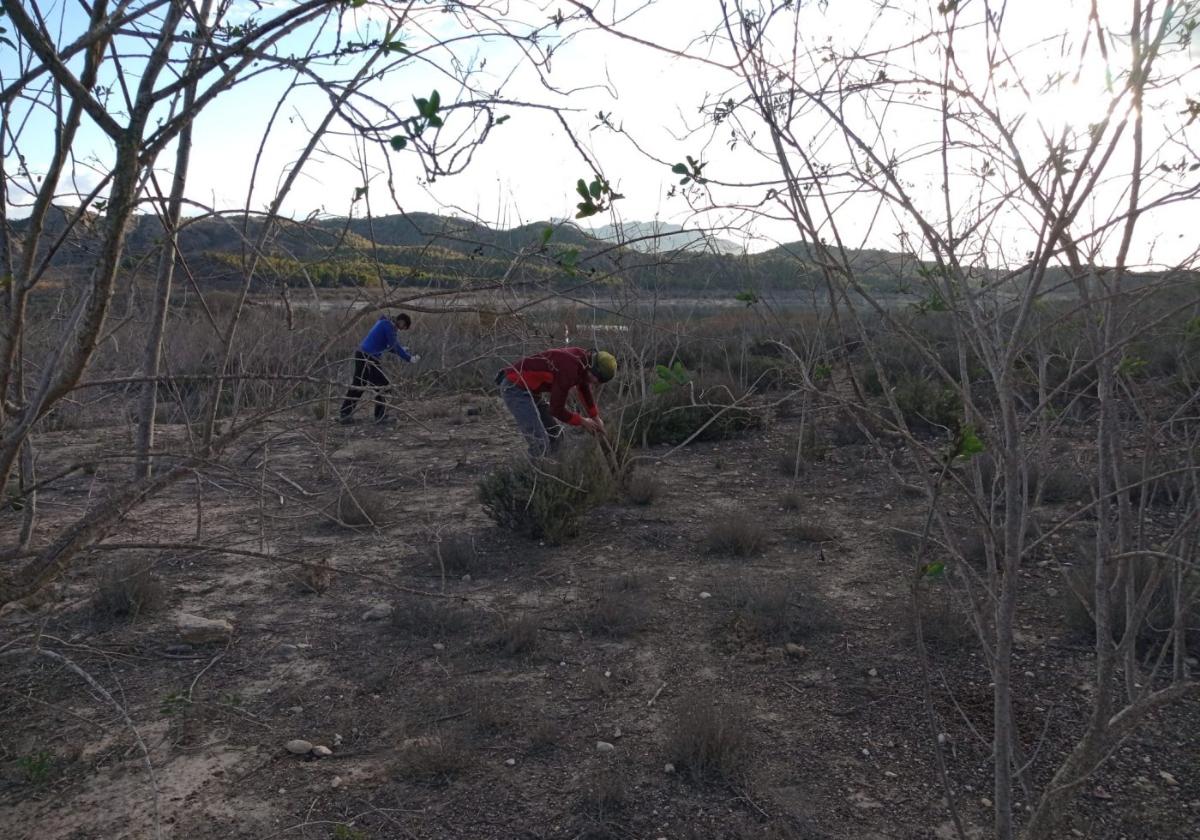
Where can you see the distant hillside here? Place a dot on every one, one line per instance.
(422, 249)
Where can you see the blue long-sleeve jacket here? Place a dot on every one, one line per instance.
(383, 338)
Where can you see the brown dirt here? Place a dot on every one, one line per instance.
(837, 753)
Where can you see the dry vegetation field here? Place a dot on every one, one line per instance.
(720, 645)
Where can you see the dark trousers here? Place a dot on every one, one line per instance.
(534, 420)
(368, 373)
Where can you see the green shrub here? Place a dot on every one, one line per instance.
(927, 405)
(547, 499)
(674, 417)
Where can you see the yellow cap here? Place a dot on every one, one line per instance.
(604, 365)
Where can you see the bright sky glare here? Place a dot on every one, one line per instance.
(528, 168)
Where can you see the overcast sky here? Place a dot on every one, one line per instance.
(528, 168)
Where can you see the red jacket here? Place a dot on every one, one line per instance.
(556, 372)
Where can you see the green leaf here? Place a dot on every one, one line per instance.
(581, 188)
(359, 192)
(748, 298)
(570, 257)
(934, 569)
(546, 234)
(679, 169)
(595, 189)
(394, 46)
(435, 102)
(502, 120)
(436, 122)
(661, 386)
(422, 106)
(399, 142)
(968, 445)
(663, 371)
(586, 210)
(679, 370)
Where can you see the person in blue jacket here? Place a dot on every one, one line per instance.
(368, 367)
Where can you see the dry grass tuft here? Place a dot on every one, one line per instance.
(616, 614)
(516, 635)
(127, 589)
(776, 612)
(791, 501)
(945, 625)
(735, 534)
(431, 759)
(812, 532)
(604, 793)
(709, 739)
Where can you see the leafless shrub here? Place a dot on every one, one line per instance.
(708, 739)
(361, 506)
(127, 589)
(735, 534)
(515, 635)
(791, 501)
(429, 618)
(642, 488)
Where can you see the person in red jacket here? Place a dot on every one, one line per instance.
(554, 373)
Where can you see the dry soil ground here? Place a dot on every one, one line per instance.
(478, 713)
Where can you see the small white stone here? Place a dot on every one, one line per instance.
(322, 751)
(1168, 778)
(874, 672)
(298, 746)
(866, 753)
(668, 768)
(1030, 674)
(889, 774)
(985, 802)
(616, 733)
(466, 578)
(337, 782)
(607, 674)
(438, 646)
(705, 596)
(604, 747)
(512, 762)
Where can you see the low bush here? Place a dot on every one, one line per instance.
(674, 417)
(616, 614)
(430, 618)
(127, 589)
(642, 488)
(812, 532)
(945, 623)
(360, 506)
(603, 793)
(735, 534)
(457, 554)
(431, 759)
(1078, 601)
(709, 739)
(776, 613)
(515, 635)
(791, 501)
(927, 405)
(547, 498)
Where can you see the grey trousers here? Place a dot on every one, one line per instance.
(539, 428)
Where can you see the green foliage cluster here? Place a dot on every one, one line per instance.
(547, 498)
(673, 416)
